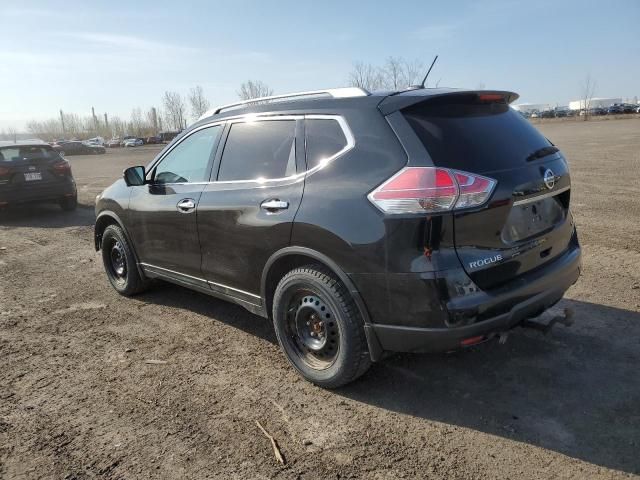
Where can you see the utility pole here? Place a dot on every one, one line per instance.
(106, 122)
(154, 116)
(62, 121)
(95, 120)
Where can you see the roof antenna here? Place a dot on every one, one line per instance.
(424, 80)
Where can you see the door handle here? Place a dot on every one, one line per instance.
(274, 204)
(186, 205)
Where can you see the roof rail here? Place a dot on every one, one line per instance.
(331, 92)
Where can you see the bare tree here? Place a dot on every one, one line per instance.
(137, 125)
(199, 104)
(367, 76)
(588, 90)
(174, 110)
(254, 89)
(393, 73)
(396, 74)
(413, 71)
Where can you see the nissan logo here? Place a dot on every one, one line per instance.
(549, 179)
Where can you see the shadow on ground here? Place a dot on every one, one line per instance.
(575, 391)
(46, 216)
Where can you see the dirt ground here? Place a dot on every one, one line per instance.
(78, 400)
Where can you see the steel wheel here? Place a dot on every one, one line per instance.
(312, 331)
(118, 264)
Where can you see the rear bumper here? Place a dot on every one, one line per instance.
(38, 193)
(493, 311)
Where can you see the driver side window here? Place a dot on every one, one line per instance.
(188, 162)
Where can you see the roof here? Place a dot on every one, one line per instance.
(23, 143)
(386, 101)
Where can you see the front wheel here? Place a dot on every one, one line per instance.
(119, 262)
(319, 327)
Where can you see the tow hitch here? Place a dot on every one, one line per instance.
(565, 319)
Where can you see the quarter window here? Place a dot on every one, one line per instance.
(325, 138)
(259, 150)
(188, 162)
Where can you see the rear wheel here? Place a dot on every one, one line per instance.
(119, 262)
(319, 327)
(68, 204)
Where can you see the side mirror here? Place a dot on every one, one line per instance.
(134, 176)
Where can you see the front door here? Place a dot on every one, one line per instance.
(162, 213)
(248, 213)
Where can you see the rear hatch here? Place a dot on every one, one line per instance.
(26, 167)
(526, 222)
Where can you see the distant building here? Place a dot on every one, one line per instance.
(594, 103)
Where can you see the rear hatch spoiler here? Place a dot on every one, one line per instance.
(402, 100)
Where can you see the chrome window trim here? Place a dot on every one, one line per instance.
(203, 280)
(252, 117)
(552, 193)
(164, 155)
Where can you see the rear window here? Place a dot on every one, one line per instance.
(14, 154)
(460, 133)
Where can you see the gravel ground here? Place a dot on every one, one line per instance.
(78, 398)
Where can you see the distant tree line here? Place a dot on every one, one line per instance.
(396, 73)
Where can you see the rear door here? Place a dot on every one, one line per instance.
(247, 213)
(527, 222)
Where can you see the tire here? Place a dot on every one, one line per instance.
(120, 263)
(68, 204)
(319, 327)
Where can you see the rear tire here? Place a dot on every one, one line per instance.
(319, 327)
(68, 204)
(120, 263)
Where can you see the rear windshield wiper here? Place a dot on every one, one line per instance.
(542, 152)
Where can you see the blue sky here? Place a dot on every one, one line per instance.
(119, 55)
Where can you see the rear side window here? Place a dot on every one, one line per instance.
(325, 138)
(259, 150)
(474, 137)
(15, 154)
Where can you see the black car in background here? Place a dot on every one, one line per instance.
(80, 148)
(360, 223)
(35, 172)
(615, 109)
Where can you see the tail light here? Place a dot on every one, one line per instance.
(4, 171)
(62, 168)
(431, 190)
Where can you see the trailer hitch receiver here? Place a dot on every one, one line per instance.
(566, 319)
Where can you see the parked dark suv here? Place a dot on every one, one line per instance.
(33, 171)
(422, 220)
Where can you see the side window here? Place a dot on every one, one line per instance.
(188, 161)
(325, 138)
(259, 150)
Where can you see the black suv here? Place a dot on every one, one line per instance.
(33, 171)
(360, 223)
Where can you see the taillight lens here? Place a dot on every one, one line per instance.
(431, 190)
(4, 171)
(62, 167)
